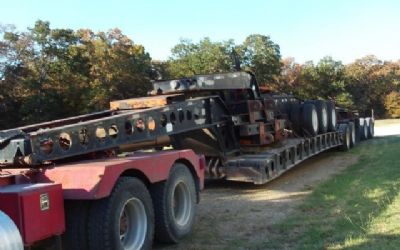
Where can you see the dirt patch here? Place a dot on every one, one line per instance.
(233, 214)
(387, 127)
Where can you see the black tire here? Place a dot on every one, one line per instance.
(131, 199)
(76, 214)
(174, 220)
(344, 130)
(357, 129)
(371, 127)
(310, 119)
(332, 119)
(363, 129)
(353, 139)
(322, 112)
(295, 118)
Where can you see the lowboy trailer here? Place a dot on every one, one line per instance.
(109, 180)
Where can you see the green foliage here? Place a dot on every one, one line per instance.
(206, 57)
(367, 83)
(322, 81)
(262, 56)
(392, 104)
(53, 73)
(257, 54)
(330, 78)
(361, 85)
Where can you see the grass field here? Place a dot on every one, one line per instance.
(357, 209)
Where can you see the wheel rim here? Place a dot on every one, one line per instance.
(132, 224)
(348, 138)
(353, 135)
(315, 120)
(333, 118)
(182, 204)
(324, 118)
(365, 130)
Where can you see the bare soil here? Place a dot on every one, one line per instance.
(387, 127)
(231, 214)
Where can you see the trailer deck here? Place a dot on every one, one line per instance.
(264, 165)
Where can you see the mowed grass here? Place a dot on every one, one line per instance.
(357, 209)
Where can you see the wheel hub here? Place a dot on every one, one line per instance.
(132, 224)
(181, 201)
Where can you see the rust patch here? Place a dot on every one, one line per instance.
(146, 102)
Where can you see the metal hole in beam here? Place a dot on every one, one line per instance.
(128, 128)
(113, 131)
(101, 134)
(65, 141)
(181, 116)
(83, 136)
(151, 124)
(163, 120)
(188, 115)
(172, 118)
(46, 146)
(140, 125)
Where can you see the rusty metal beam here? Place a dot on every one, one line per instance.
(146, 102)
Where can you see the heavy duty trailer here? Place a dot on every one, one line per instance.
(120, 174)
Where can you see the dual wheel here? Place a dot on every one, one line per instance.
(314, 117)
(366, 128)
(348, 131)
(133, 213)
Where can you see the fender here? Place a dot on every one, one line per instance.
(95, 179)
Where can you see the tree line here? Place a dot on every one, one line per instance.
(50, 73)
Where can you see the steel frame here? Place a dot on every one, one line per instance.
(107, 131)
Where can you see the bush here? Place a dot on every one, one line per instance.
(392, 104)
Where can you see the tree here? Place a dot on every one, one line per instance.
(330, 81)
(308, 78)
(262, 56)
(392, 104)
(118, 68)
(366, 81)
(206, 57)
(53, 73)
(257, 54)
(289, 78)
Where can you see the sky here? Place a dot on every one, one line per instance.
(304, 29)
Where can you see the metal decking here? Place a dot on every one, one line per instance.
(267, 165)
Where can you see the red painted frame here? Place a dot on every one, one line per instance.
(95, 179)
